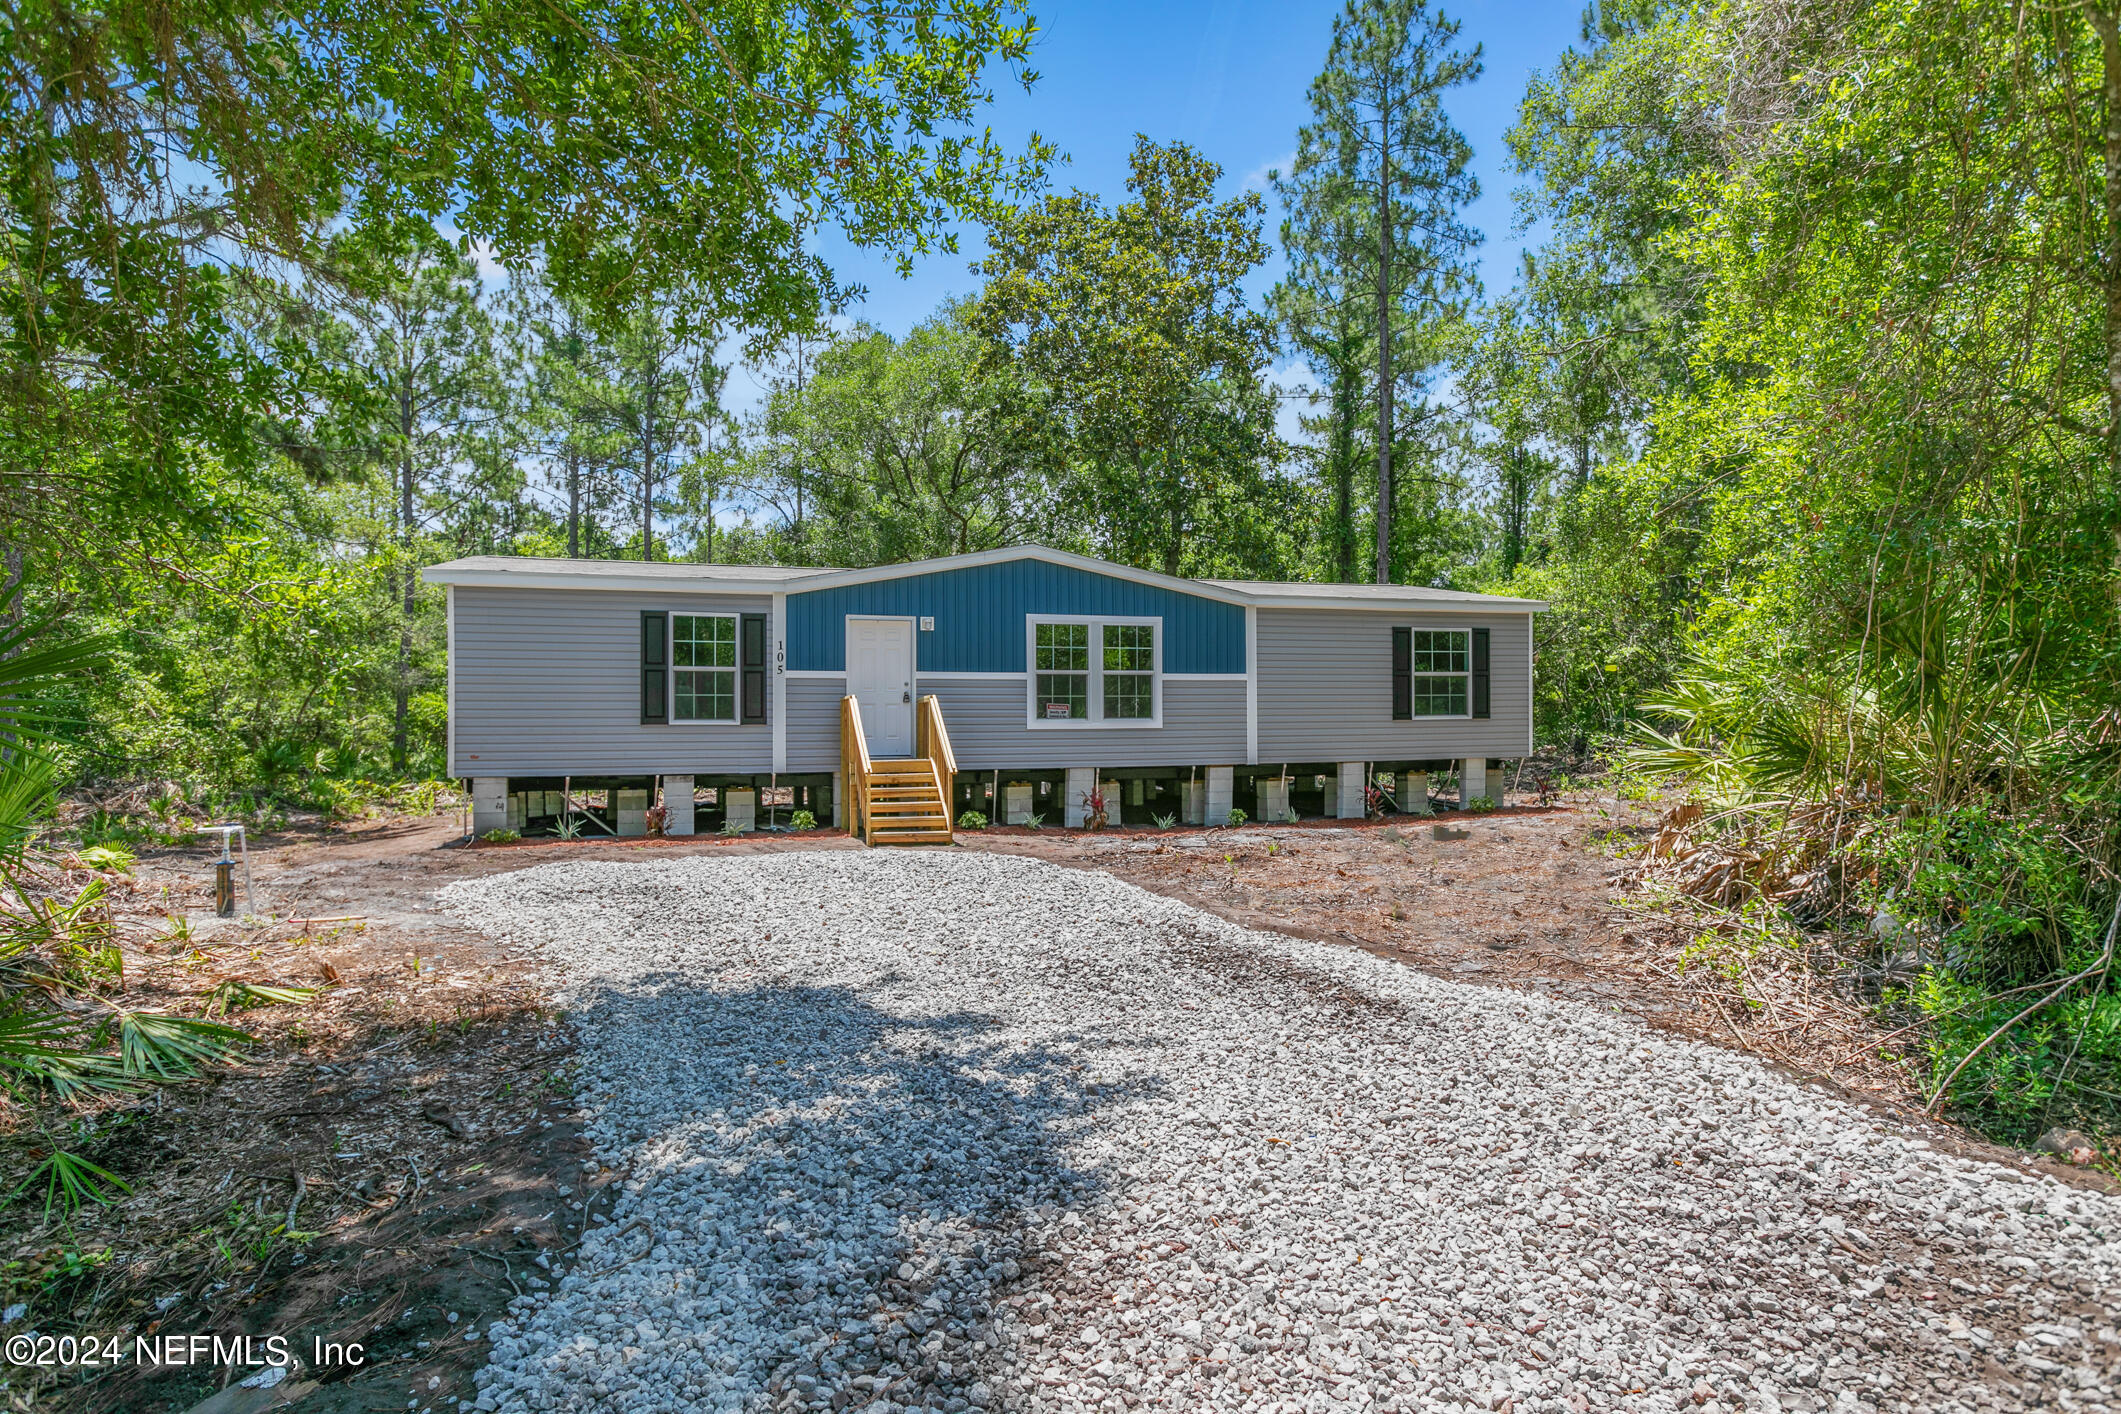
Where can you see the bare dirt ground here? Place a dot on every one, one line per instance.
(421, 1103)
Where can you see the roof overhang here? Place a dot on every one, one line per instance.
(1469, 604)
(611, 575)
(482, 576)
(833, 579)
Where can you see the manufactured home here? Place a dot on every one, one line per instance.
(1018, 682)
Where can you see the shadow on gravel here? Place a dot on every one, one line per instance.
(841, 1193)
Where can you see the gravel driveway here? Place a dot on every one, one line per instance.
(958, 1130)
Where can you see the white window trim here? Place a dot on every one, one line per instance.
(1465, 716)
(736, 673)
(1096, 720)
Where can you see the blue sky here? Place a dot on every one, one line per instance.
(1228, 76)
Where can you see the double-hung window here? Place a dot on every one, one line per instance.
(1063, 671)
(1096, 671)
(703, 667)
(1439, 672)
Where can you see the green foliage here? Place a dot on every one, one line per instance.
(1381, 275)
(877, 450)
(289, 131)
(108, 858)
(1235, 818)
(158, 1046)
(501, 835)
(1481, 804)
(70, 1182)
(234, 995)
(805, 820)
(1165, 822)
(1138, 366)
(972, 820)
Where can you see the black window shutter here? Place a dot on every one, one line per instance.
(753, 659)
(1480, 672)
(655, 668)
(1402, 674)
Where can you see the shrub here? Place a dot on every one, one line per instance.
(1034, 821)
(972, 820)
(107, 858)
(502, 836)
(731, 829)
(1164, 822)
(1481, 803)
(802, 820)
(1237, 817)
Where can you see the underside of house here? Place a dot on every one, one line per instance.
(1027, 684)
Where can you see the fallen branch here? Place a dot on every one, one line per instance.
(2106, 959)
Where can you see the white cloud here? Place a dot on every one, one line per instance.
(1256, 179)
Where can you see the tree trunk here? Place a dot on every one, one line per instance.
(400, 747)
(2107, 23)
(1174, 546)
(574, 500)
(1345, 394)
(651, 385)
(1516, 495)
(1384, 343)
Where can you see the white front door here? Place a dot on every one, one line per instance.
(880, 678)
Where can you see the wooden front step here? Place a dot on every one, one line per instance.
(906, 805)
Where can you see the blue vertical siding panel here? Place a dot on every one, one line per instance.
(979, 617)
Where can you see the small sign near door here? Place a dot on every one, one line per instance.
(927, 623)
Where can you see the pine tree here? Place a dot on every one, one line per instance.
(1379, 123)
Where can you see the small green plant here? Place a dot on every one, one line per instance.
(1164, 822)
(972, 820)
(233, 995)
(731, 829)
(70, 1183)
(569, 827)
(802, 820)
(502, 836)
(1480, 804)
(1034, 821)
(1237, 817)
(107, 858)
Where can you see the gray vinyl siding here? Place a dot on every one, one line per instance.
(1204, 724)
(547, 683)
(1325, 688)
(813, 722)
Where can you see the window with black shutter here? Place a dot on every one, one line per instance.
(655, 668)
(1402, 674)
(754, 664)
(1480, 672)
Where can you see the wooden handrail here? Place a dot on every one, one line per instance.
(932, 740)
(855, 767)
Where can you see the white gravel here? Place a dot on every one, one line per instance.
(964, 1130)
